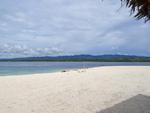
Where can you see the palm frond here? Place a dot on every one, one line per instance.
(141, 8)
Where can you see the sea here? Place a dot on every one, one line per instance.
(26, 68)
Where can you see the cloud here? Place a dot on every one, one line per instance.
(72, 27)
(23, 50)
(18, 17)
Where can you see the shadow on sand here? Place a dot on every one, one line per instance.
(136, 104)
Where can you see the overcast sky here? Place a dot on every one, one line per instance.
(68, 27)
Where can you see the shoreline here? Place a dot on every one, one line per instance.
(78, 91)
(66, 70)
(12, 69)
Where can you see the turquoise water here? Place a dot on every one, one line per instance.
(20, 68)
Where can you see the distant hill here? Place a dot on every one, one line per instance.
(79, 58)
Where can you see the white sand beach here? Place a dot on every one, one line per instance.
(77, 91)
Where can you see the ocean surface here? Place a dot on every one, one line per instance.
(21, 68)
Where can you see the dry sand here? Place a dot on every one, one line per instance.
(80, 91)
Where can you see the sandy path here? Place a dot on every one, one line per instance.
(82, 91)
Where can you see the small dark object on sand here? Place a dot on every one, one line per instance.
(64, 71)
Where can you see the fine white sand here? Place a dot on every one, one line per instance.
(78, 91)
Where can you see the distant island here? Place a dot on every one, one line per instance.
(86, 58)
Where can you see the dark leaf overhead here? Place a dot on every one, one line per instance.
(141, 8)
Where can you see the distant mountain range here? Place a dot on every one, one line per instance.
(79, 58)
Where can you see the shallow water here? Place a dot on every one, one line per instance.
(20, 68)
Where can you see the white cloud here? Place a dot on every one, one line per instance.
(72, 26)
(17, 17)
(23, 50)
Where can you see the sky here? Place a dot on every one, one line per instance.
(70, 27)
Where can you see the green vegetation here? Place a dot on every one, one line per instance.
(81, 58)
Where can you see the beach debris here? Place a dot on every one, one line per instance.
(63, 71)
